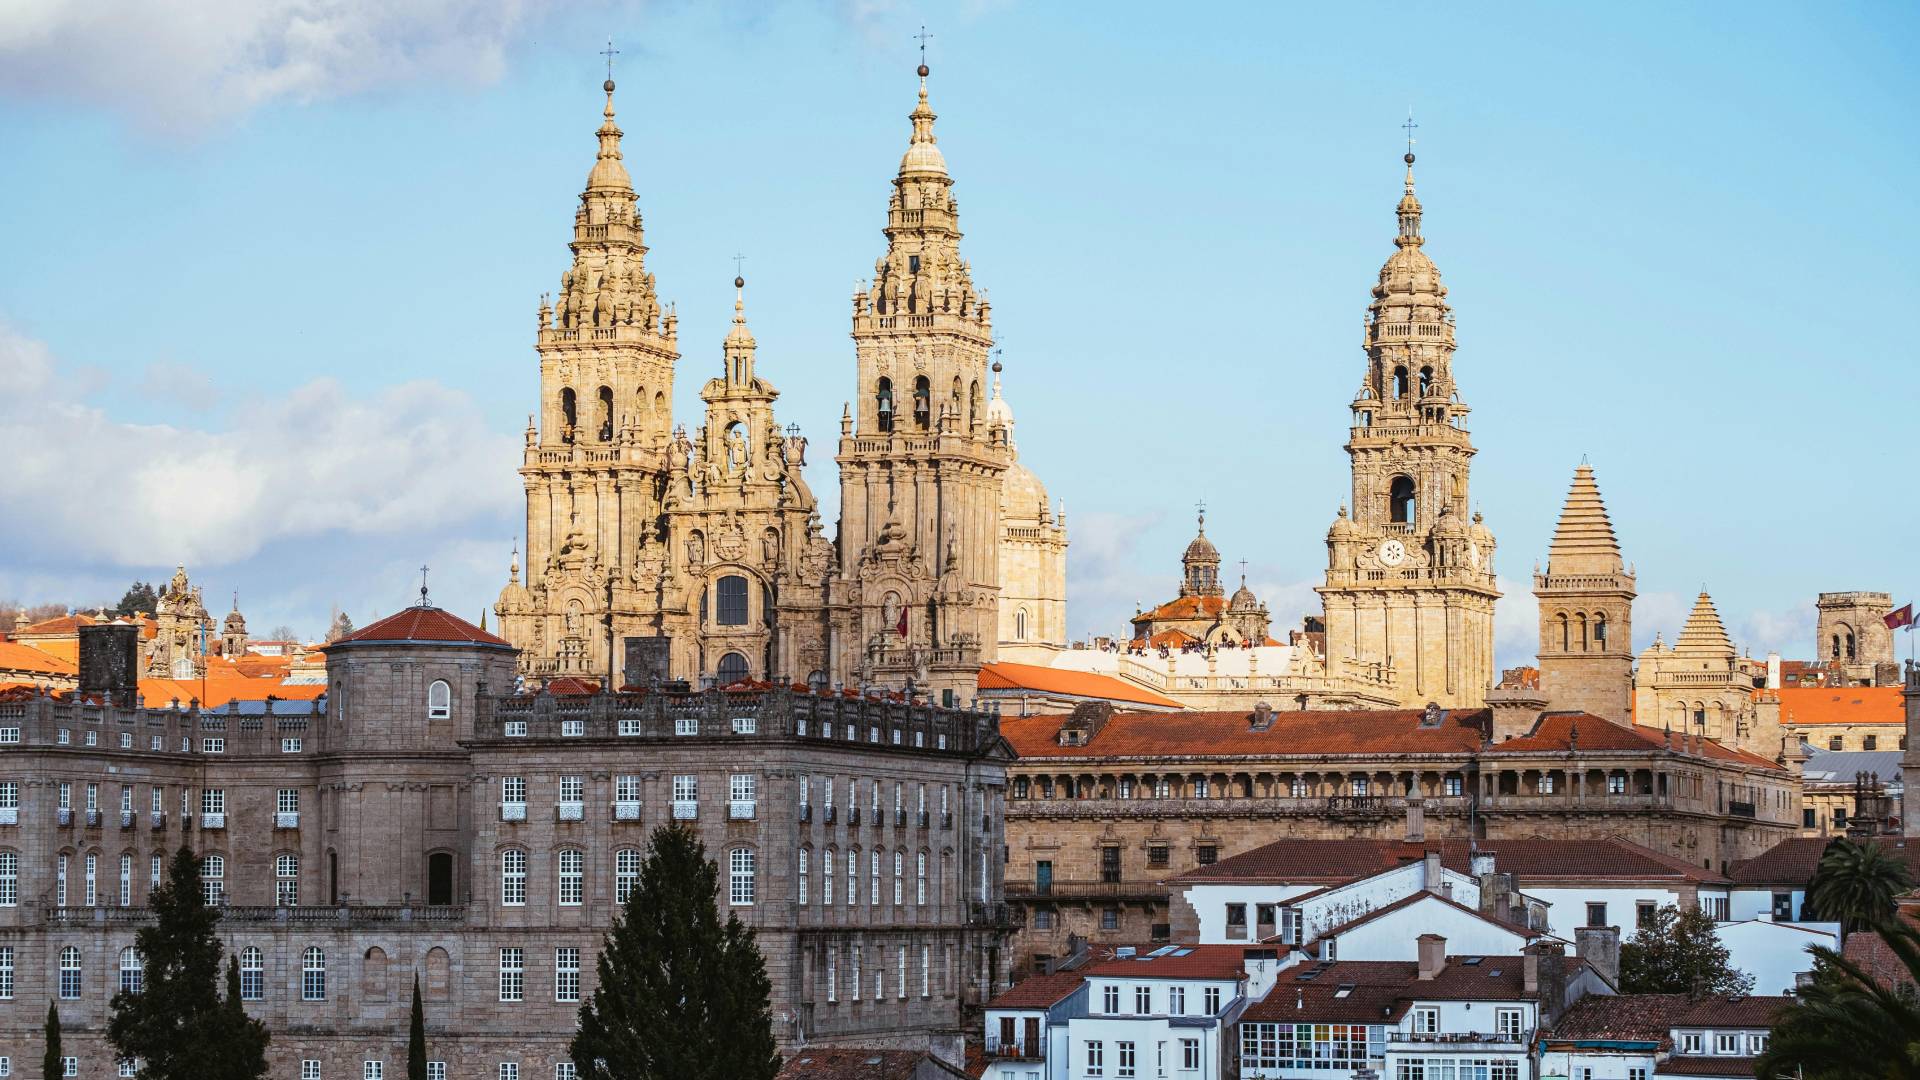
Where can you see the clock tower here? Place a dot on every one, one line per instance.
(1410, 583)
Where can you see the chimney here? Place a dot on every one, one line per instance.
(110, 662)
(1430, 877)
(1416, 821)
(1530, 973)
(1600, 947)
(1262, 717)
(1433, 955)
(1773, 671)
(1515, 709)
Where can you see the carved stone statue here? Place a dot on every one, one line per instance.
(696, 550)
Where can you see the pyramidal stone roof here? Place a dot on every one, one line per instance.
(1704, 634)
(1584, 543)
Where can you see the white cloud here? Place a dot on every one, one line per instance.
(86, 488)
(183, 67)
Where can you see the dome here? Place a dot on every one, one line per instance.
(1202, 549)
(1022, 495)
(923, 158)
(1243, 599)
(1450, 523)
(235, 622)
(1343, 527)
(1480, 531)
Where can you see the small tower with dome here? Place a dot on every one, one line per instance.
(1033, 553)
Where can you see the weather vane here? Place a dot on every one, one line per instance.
(737, 260)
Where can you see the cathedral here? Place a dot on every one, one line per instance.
(653, 554)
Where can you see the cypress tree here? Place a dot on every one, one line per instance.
(50, 1064)
(178, 1026)
(417, 1037)
(681, 996)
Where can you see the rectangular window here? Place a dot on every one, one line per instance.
(6, 973)
(740, 884)
(1726, 1043)
(1206, 854)
(290, 746)
(436, 1070)
(1507, 1021)
(1124, 1065)
(572, 729)
(1176, 1001)
(572, 875)
(9, 794)
(1190, 1054)
(1096, 1057)
(1212, 997)
(1756, 1044)
(1110, 1000)
(1596, 914)
(686, 788)
(1426, 1021)
(310, 1069)
(626, 788)
(1110, 918)
(93, 738)
(288, 801)
(9, 735)
(1690, 1042)
(1637, 1072)
(509, 1070)
(562, 1070)
(686, 725)
(373, 1070)
(212, 744)
(566, 974)
(513, 974)
(572, 788)
(1157, 855)
(1142, 1000)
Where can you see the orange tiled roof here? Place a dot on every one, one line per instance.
(1840, 705)
(1227, 734)
(1555, 733)
(1186, 607)
(428, 625)
(58, 626)
(1069, 683)
(215, 692)
(17, 657)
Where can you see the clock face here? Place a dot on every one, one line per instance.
(1393, 553)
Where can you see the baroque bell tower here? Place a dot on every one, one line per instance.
(921, 456)
(595, 464)
(1410, 581)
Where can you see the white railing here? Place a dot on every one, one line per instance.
(570, 811)
(213, 821)
(626, 810)
(9, 815)
(513, 811)
(286, 819)
(685, 810)
(740, 809)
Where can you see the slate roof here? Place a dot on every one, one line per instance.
(1184, 962)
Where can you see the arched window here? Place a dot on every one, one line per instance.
(730, 596)
(973, 403)
(513, 878)
(1402, 503)
(1836, 646)
(70, 973)
(922, 401)
(213, 880)
(373, 974)
(313, 974)
(740, 877)
(660, 404)
(1399, 383)
(1600, 629)
(130, 972)
(439, 700)
(883, 401)
(626, 873)
(253, 974)
(816, 680)
(1851, 654)
(569, 414)
(286, 880)
(733, 668)
(1426, 381)
(606, 414)
(1566, 632)
(572, 865)
(1020, 625)
(439, 974)
(440, 878)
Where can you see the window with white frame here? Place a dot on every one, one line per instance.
(628, 726)
(565, 1070)
(9, 879)
(310, 1069)
(1110, 1000)
(60, 881)
(92, 878)
(436, 1070)
(287, 801)
(686, 788)
(1190, 1054)
(926, 970)
(626, 873)
(213, 879)
(290, 745)
(513, 877)
(1690, 1042)
(1726, 1042)
(253, 974)
(833, 979)
(742, 790)
(686, 725)
(1507, 1021)
(566, 973)
(1176, 1001)
(1096, 1057)
(740, 885)
(513, 790)
(827, 858)
(286, 880)
(209, 744)
(313, 974)
(1757, 1044)
(213, 801)
(1637, 1072)
(1124, 1065)
(6, 973)
(131, 970)
(513, 973)
(802, 864)
(1426, 1021)
(69, 1066)
(1142, 1000)
(1211, 998)
(626, 788)
(920, 878)
(509, 1070)
(373, 1070)
(572, 864)
(899, 876)
(439, 700)
(853, 877)
(573, 789)
(873, 878)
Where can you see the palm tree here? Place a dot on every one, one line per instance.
(1849, 1025)
(1855, 884)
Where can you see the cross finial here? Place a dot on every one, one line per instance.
(609, 52)
(1409, 127)
(737, 260)
(1201, 507)
(423, 586)
(923, 37)
(1243, 571)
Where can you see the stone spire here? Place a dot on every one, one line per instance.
(1584, 542)
(739, 344)
(1704, 634)
(923, 157)
(609, 172)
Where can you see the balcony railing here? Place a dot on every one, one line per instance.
(1013, 1051)
(126, 819)
(93, 818)
(570, 811)
(924, 817)
(158, 818)
(1077, 889)
(212, 820)
(513, 811)
(286, 819)
(826, 815)
(806, 812)
(626, 810)
(741, 809)
(1740, 809)
(985, 913)
(9, 815)
(63, 816)
(685, 810)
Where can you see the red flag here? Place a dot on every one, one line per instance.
(1899, 617)
(901, 628)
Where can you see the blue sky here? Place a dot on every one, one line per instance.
(269, 296)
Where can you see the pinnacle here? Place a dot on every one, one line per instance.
(1583, 542)
(1704, 633)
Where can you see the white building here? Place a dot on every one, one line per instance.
(1641, 1036)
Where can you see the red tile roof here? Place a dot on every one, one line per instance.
(1792, 861)
(1621, 1017)
(1385, 989)
(422, 624)
(1184, 962)
(1871, 952)
(1742, 1011)
(1186, 607)
(1039, 992)
(1226, 734)
(17, 657)
(1705, 1066)
(1300, 860)
(1069, 683)
(1813, 705)
(1566, 732)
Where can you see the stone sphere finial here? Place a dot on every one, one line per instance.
(607, 86)
(923, 71)
(739, 282)
(1409, 158)
(996, 367)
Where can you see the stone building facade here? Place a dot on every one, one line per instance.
(1586, 610)
(1698, 686)
(422, 820)
(183, 631)
(1410, 580)
(1851, 635)
(640, 539)
(1103, 807)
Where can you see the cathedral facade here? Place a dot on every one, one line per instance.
(1410, 581)
(655, 554)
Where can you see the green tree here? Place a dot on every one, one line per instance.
(178, 1026)
(50, 1064)
(140, 598)
(1855, 884)
(1850, 1023)
(681, 996)
(1679, 952)
(417, 1037)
